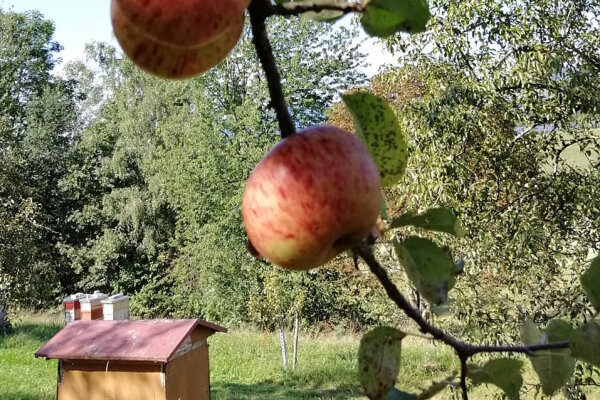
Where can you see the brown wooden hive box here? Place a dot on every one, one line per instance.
(132, 360)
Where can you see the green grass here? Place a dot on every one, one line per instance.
(246, 365)
(22, 377)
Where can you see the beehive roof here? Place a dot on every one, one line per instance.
(135, 340)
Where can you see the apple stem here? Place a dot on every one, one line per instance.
(259, 10)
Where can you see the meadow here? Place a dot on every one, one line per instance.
(245, 365)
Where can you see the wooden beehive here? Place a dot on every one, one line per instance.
(91, 306)
(115, 307)
(132, 360)
(72, 308)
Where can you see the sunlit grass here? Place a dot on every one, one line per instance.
(246, 364)
(22, 377)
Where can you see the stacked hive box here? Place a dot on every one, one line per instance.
(91, 306)
(116, 307)
(72, 307)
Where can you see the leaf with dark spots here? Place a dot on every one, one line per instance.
(585, 343)
(379, 360)
(378, 127)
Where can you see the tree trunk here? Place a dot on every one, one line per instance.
(282, 342)
(296, 323)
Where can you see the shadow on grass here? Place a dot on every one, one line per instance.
(23, 396)
(41, 332)
(30, 331)
(270, 390)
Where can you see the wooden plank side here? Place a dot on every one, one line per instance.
(201, 333)
(92, 384)
(188, 376)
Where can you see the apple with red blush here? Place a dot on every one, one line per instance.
(314, 195)
(177, 39)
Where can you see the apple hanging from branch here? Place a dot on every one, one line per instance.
(177, 39)
(314, 195)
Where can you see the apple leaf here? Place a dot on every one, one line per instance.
(590, 281)
(384, 213)
(530, 333)
(379, 360)
(558, 330)
(434, 219)
(385, 17)
(395, 394)
(378, 127)
(502, 372)
(323, 15)
(585, 343)
(429, 268)
(553, 367)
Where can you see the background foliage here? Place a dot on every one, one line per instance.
(113, 180)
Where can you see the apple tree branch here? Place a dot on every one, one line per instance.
(259, 11)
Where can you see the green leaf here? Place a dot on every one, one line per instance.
(379, 360)
(385, 17)
(377, 126)
(323, 15)
(434, 219)
(558, 330)
(384, 214)
(395, 394)
(530, 333)
(553, 367)
(503, 372)
(590, 281)
(429, 268)
(585, 343)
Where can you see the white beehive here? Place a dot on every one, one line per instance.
(116, 307)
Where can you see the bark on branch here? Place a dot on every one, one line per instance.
(259, 10)
(297, 9)
(463, 349)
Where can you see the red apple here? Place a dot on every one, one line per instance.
(314, 195)
(177, 38)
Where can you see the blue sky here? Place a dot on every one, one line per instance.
(78, 22)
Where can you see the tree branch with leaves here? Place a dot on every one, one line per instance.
(318, 192)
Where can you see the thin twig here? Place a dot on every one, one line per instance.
(297, 9)
(365, 252)
(463, 349)
(529, 349)
(259, 10)
(437, 387)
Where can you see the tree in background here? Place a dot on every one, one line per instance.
(37, 115)
(153, 205)
(157, 176)
(509, 97)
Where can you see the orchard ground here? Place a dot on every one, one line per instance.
(246, 365)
